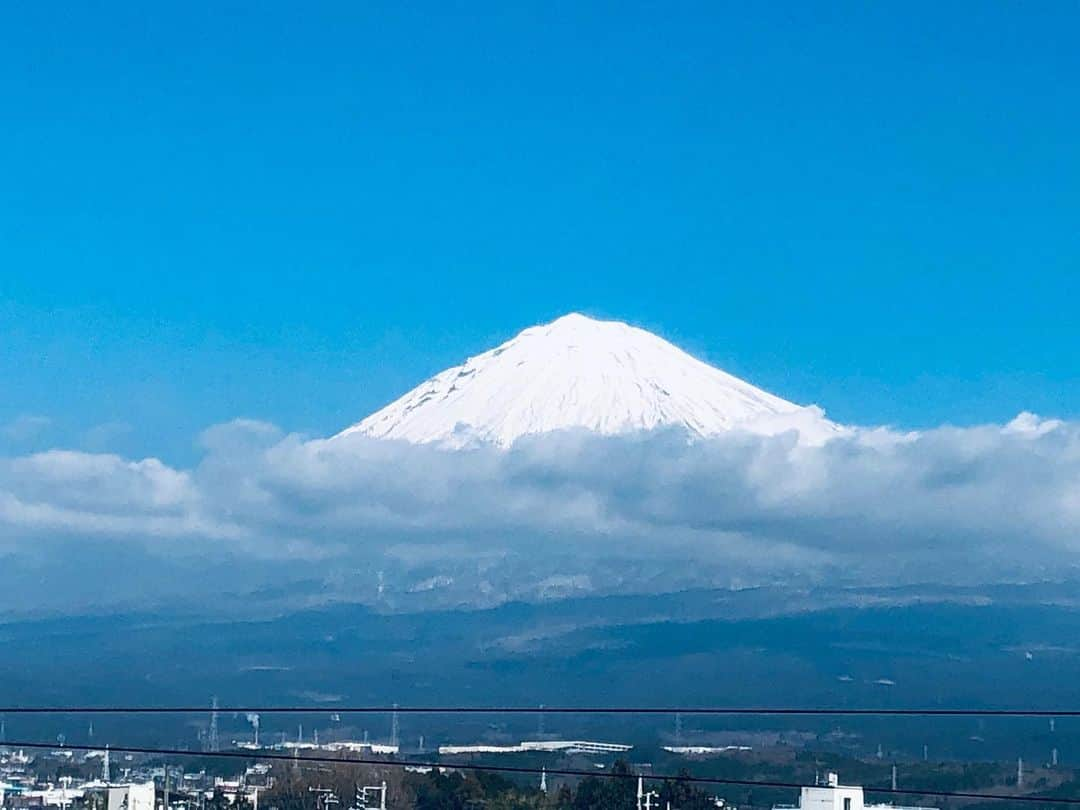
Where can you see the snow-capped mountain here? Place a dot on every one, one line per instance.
(577, 372)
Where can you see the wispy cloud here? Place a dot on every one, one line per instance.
(104, 436)
(25, 428)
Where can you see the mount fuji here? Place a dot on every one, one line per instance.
(580, 373)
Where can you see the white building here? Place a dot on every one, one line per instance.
(361, 747)
(137, 796)
(568, 746)
(345, 745)
(833, 796)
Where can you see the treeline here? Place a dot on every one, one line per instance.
(615, 791)
(471, 790)
(612, 793)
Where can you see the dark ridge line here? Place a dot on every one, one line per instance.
(644, 710)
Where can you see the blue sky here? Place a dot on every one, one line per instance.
(295, 215)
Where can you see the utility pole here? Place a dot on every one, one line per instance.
(894, 778)
(1019, 772)
(324, 796)
(362, 796)
(645, 797)
(165, 797)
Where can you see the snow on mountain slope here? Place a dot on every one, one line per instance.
(577, 372)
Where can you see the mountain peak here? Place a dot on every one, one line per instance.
(579, 372)
(576, 323)
(571, 318)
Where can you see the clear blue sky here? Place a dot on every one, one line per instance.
(295, 212)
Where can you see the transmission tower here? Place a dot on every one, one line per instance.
(214, 741)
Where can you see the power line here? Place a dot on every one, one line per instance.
(470, 766)
(644, 710)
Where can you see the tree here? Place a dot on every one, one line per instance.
(589, 795)
(620, 792)
(683, 794)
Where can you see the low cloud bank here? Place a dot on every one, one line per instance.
(989, 503)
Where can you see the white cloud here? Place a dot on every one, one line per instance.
(980, 503)
(94, 493)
